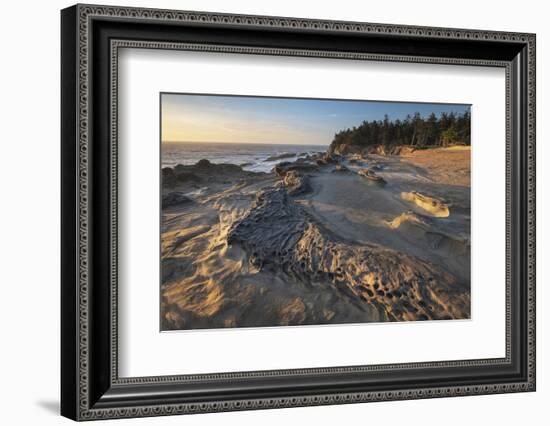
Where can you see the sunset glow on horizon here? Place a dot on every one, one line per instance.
(248, 119)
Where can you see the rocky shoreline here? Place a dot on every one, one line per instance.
(343, 236)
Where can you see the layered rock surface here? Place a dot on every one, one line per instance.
(278, 233)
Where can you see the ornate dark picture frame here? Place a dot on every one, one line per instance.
(90, 385)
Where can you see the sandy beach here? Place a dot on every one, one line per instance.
(325, 238)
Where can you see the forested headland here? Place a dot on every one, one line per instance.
(431, 131)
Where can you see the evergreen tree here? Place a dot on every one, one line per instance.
(447, 129)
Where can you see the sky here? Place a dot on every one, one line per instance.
(248, 119)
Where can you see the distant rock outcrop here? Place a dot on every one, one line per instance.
(183, 174)
(371, 175)
(281, 156)
(174, 199)
(301, 167)
(345, 149)
(206, 166)
(364, 150)
(168, 177)
(202, 171)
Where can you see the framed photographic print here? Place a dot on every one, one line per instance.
(263, 212)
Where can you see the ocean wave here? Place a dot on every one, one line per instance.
(251, 157)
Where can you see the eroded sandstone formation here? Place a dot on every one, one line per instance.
(279, 233)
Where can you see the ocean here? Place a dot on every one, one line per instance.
(252, 157)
